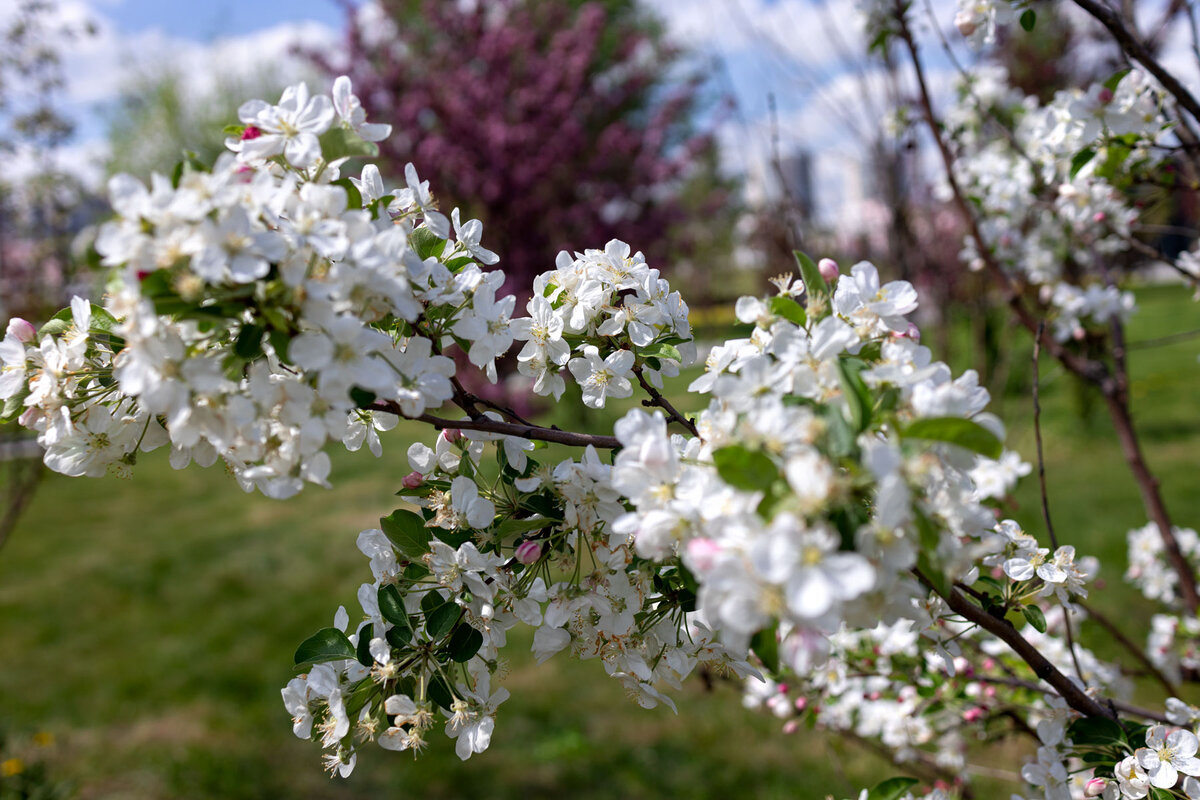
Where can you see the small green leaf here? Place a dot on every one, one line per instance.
(958, 431)
(234, 130)
(14, 406)
(661, 350)
(249, 342)
(1028, 19)
(441, 620)
(892, 788)
(399, 636)
(1081, 160)
(391, 605)
(439, 692)
(1035, 617)
(787, 308)
(856, 394)
(361, 397)
(1100, 731)
(765, 645)
(364, 649)
(814, 284)
(54, 327)
(339, 142)
(432, 600)
(741, 468)
(354, 199)
(1115, 79)
(464, 644)
(327, 644)
(407, 532)
(510, 526)
(426, 243)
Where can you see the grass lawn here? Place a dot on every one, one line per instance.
(149, 624)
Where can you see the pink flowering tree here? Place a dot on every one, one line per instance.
(564, 125)
(828, 528)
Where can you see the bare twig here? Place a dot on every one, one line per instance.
(656, 399)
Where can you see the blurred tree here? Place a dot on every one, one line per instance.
(162, 113)
(565, 122)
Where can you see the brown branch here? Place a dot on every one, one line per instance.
(1003, 630)
(506, 428)
(656, 399)
(1091, 370)
(1138, 52)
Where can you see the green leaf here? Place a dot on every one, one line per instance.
(327, 644)
(1096, 731)
(439, 692)
(661, 350)
(361, 397)
(364, 649)
(958, 431)
(426, 243)
(1028, 19)
(442, 619)
(510, 526)
(1115, 79)
(54, 327)
(353, 196)
(432, 600)
(391, 605)
(249, 342)
(339, 142)
(1081, 160)
(464, 644)
(814, 284)
(14, 406)
(1035, 617)
(892, 788)
(455, 264)
(765, 645)
(741, 468)
(399, 636)
(234, 130)
(407, 532)
(855, 392)
(787, 308)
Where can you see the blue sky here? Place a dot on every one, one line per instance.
(210, 19)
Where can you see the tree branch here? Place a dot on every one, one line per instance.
(1138, 52)
(489, 425)
(1003, 630)
(656, 399)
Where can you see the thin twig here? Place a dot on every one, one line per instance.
(656, 399)
(1138, 653)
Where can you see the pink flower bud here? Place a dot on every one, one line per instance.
(782, 688)
(829, 269)
(702, 553)
(1079, 334)
(973, 714)
(412, 480)
(1105, 96)
(989, 691)
(1095, 787)
(913, 332)
(791, 726)
(528, 552)
(989, 664)
(251, 132)
(801, 703)
(452, 435)
(21, 329)
(1099, 216)
(873, 696)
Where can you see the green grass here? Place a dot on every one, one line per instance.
(149, 624)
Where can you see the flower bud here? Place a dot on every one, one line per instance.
(412, 480)
(1099, 216)
(21, 330)
(791, 726)
(829, 269)
(965, 22)
(702, 553)
(801, 703)
(452, 435)
(528, 552)
(973, 714)
(250, 132)
(1105, 96)
(1094, 787)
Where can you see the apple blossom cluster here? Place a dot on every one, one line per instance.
(539, 548)
(1051, 193)
(1173, 640)
(266, 308)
